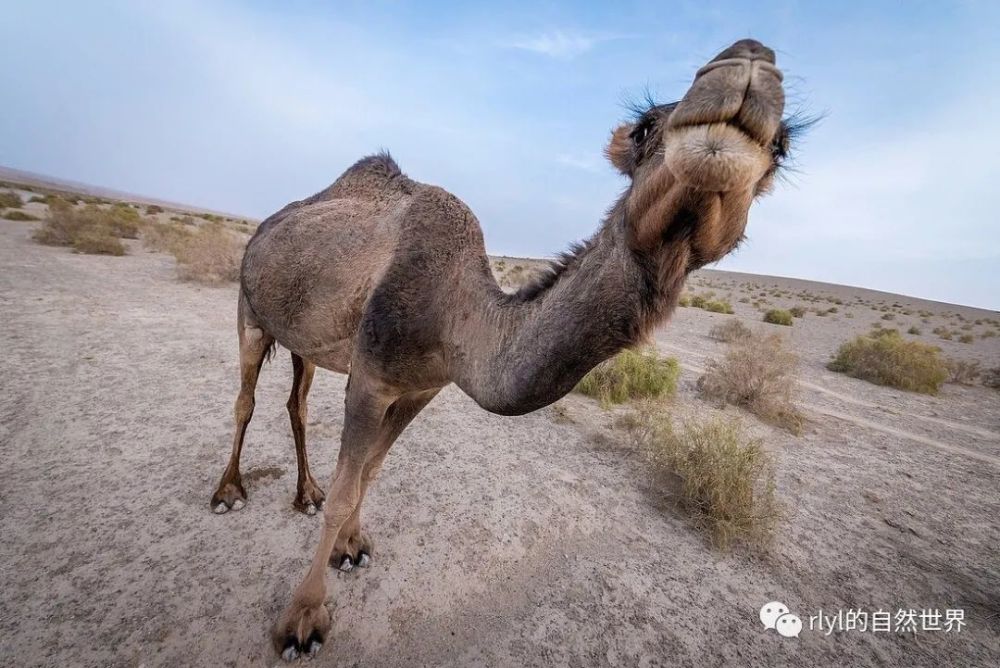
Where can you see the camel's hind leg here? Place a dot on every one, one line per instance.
(308, 496)
(254, 344)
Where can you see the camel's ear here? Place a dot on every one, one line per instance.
(619, 149)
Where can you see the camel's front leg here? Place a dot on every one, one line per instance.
(371, 424)
(353, 546)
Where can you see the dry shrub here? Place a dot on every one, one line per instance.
(962, 372)
(210, 255)
(88, 230)
(165, 237)
(991, 378)
(96, 241)
(756, 373)
(797, 311)
(777, 316)
(889, 359)
(18, 215)
(10, 200)
(631, 374)
(724, 478)
(729, 331)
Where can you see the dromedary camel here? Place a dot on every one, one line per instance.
(387, 280)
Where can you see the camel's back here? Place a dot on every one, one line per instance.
(310, 269)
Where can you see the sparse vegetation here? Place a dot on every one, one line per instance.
(18, 215)
(966, 338)
(889, 359)
(963, 372)
(718, 306)
(756, 373)
(913, 330)
(211, 254)
(724, 478)
(631, 374)
(153, 209)
(797, 311)
(777, 316)
(991, 378)
(729, 331)
(88, 230)
(10, 200)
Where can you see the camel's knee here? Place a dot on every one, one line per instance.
(244, 407)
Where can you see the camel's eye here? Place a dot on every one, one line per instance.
(641, 132)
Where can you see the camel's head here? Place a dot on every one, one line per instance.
(696, 165)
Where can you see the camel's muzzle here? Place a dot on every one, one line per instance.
(719, 135)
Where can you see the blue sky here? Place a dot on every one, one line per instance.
(246, 106)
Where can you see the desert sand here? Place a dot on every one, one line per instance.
(536, 540)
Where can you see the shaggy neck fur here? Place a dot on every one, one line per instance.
(528, 349)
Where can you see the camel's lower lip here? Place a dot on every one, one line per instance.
(714, 156)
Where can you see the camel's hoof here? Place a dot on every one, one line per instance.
(363, 560)
(309, 649)
(291, 651)
(221, 508)
(311, 509)
(346, 565)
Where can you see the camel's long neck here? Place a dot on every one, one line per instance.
(519, 354)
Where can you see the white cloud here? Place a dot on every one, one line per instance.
(561, 44)
(586, 163)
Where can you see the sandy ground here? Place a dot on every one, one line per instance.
(538, 540)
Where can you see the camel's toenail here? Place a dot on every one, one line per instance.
(237, 504)
(219, 509)
(310, 509)
(314, 647)
(346, 565)
(290, 653)
(363, 560)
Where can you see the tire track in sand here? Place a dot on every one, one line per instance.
(876, 426)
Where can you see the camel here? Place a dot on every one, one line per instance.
(387, 280)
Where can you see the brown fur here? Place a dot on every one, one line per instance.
(387, 279)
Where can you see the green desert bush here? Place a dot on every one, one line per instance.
(729, 331)
(87, 230)
(757, 373)
(718, 306)
(684, 301)
(891, 360)
(777, 316)
(10, 200)
(721, 476)
(17, 214)
(631, 374)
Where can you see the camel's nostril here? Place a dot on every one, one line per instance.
(749, 49)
